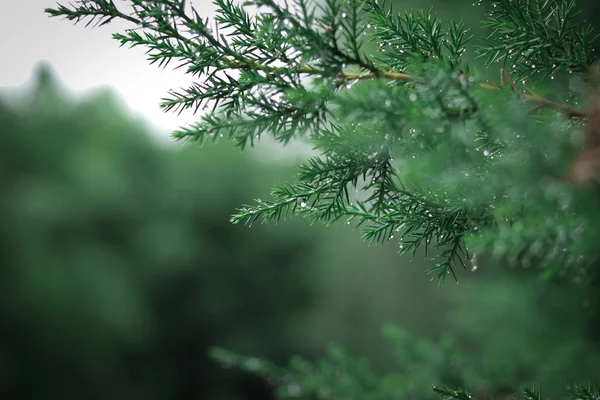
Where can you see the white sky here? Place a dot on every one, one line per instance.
(86, 58)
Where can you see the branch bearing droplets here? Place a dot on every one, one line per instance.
(330, 51)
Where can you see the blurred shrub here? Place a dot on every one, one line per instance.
(119, 266)
(341, 376)
(523, 332)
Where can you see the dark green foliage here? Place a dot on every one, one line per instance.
(119, 267)
(340, 376)
(539, 38)
(402, 38)
(520, 332)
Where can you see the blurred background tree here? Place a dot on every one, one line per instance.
(119, 266)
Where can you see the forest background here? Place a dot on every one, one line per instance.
(120, 269)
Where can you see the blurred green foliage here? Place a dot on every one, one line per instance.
(343, 376)
(120, 269)
(526, 332)
(119, 266)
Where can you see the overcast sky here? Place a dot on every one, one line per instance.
(86, 58)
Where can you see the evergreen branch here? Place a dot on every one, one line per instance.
(321, 203)
(449, 394)
(538, 37)
(419, 34)
(330, 169)
(584, 393)
(418, 222)
(323, 196)
(283, 114)
(382, 182)
(403, 37)
(231, 16)
(456, 43)
(454, 248)
(532, 394)
(352, 26)
(284, 124)
(290, 70)
(100, 9)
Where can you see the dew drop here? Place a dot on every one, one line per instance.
(474, 265)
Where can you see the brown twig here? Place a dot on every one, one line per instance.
(585, 167)
(510, 80)
(328, 28)
(541, 102)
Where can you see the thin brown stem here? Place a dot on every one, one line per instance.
(541, 102)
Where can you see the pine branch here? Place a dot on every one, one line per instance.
(584, 393)
(539, 38)
(402, 38)
(532, 394)
(448, 394)
(209, 49)
(413, 113)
